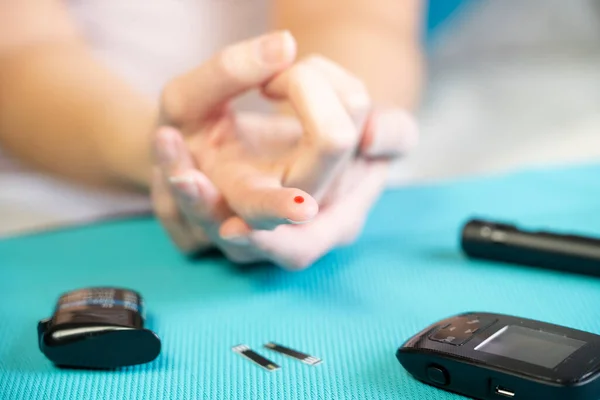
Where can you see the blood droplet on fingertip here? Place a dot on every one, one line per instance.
(299, 199)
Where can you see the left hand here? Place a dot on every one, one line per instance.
(327, 99)
(199, 212)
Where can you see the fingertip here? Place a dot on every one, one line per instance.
(259, 59)
(289, 46)
(193, 186)
(298, 207)
(265, 208)
(235, 230)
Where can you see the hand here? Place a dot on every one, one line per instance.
(196, 215)
(242, 155)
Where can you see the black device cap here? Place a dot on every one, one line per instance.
(508, 243)
(479, 237)
(98, 328)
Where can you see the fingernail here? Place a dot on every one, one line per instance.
(290, 221)
(239, 240)
(277, 48)
(167, 147)
(395, 131)
(186, 185)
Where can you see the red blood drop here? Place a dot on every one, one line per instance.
(299, 199)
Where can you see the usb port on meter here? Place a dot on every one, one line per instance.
(504, 392)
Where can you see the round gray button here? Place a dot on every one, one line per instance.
(437, 374)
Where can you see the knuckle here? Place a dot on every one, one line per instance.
(299, 74)
(227, 65)
(330, 67)
(335, 133)
(353, 88)
(336, 138)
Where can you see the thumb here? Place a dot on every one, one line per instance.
(233, 71)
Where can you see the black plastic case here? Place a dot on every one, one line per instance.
(98, 328)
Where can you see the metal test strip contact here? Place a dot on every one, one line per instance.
(305, 358)
(253, 356)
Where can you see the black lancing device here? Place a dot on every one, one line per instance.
(503, 242)
(98, 328)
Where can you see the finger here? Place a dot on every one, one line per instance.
(350, 89)
(206, 211)
(389, 134)
(245, 255)
(373, 180)
(191, 193)
(261, 201)
(200, 201)
(231, 72)
(191, 206)
(173, 159)
(171, 154)
(330, 134)
(269, 135)
(299, 247)
(235, 230)
(168, 214)
(258, 199)
(385, 133)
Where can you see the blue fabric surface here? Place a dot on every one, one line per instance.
(353, 309)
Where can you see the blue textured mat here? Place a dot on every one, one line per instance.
(353, 309)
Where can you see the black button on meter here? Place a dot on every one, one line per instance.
(98, 328)
(437, 375)
(461, 329)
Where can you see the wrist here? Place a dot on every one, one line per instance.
(128, 156)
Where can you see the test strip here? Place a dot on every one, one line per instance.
(253, 356)
(305, 358)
